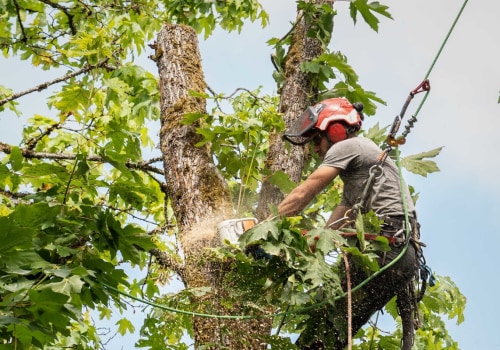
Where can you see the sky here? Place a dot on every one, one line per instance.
(458, 207)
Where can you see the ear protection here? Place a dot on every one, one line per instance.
(337, 132)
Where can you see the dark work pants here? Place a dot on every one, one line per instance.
(365, 302)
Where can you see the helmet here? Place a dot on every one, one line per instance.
(337, 117)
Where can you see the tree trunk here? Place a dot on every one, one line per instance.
(297, 93)
(198, 193)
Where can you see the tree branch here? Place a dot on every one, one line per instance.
(27, 153)
(167, 261)
(15, 197)
(55, 81)
(231, 95)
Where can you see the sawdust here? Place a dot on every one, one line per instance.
(202, 234)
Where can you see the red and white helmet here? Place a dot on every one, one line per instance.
(337, 117)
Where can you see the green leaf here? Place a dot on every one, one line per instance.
(16, 158)
(259, 232)
(104, 312)
(315, 273)
(83, 167)
(124, 326)
(8, 320)
(190, 118)
(360, 230)
(117, 85)
(417, 163)
(67, 286)
(368, 261)
(71, 99)
(328, 240)
(12, 236)
(127, 193)
(15, 259)
(376, 134)
(282, 181)
(117, 160)
(366, 9)
(44, 169)
(50, 306)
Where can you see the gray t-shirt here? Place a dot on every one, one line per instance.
(355, 157)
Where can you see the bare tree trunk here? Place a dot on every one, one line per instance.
(196, 189)
(297, 93)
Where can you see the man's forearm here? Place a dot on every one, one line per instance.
(295, 202)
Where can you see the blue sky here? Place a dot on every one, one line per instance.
(459, 207)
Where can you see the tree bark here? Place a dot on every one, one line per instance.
(197, 191)
(297, 93)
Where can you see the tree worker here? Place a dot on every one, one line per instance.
(332, 126)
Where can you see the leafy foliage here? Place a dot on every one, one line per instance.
(239, 141)
(205, 16)
(75, 189)
(365, 8)
(80, 204)
(299, 275)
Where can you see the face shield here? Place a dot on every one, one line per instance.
(302, 130)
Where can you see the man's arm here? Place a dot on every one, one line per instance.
(300, 197)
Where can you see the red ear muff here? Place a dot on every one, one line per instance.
(337, 132)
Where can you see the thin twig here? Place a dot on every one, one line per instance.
(31, 144)
(282, 321)
(128, 211)
(65, 10)
(55, 81)
(231, 95)
(18, 11)
(66, 192)
(153, 160)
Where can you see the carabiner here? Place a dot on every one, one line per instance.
(423, 86)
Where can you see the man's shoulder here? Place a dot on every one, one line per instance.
(357, 142)
(360, 148)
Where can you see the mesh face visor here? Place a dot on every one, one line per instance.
(302, 130)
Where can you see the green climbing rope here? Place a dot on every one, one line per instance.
(445, 41)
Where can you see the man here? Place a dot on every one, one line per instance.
(332, 126)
